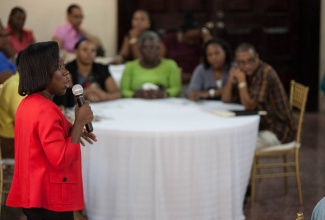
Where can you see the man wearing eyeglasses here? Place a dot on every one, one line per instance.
(71, 32)
(256, 85)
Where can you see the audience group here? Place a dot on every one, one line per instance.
(188, 63)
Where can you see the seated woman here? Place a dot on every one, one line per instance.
(209, 78)
(150, 76)
(9, 99)
(19, 37)
(140, 22)
(94, 77)
(7, 66)
(185, 46)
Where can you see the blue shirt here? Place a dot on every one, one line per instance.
(6, 64)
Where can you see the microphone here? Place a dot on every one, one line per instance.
(78, 91)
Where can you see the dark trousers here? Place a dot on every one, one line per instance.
(44, 214)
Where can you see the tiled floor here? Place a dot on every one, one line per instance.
(271, 203)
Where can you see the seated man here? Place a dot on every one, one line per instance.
(7, 66)
(256, 85)
(94, 77)
(151, 76)
(70, 33)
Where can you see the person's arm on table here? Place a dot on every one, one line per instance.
(245, 99)
(96, 94)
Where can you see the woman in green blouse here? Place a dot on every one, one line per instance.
(150, 76)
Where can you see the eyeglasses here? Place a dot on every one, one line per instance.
(249, 62)
(78, 17)
(155, 48)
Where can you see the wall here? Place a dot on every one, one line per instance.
(44, 16)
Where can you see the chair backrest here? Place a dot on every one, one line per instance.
(298, 100)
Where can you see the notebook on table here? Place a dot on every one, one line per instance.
(233, 113)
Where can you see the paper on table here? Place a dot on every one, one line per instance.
(224, 113)
(233, 113)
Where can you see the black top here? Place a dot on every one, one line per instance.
(99, 74)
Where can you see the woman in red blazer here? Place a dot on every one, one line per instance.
(47, 181)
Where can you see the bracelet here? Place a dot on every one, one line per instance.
(212, 93)
(133, 40)
(242, 85)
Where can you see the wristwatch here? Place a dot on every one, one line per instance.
(212, 92)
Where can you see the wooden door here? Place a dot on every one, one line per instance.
(271, 26)
(167, 15)
(275, 28)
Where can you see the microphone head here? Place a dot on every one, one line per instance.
(77, 90)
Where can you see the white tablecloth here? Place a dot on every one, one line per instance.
(169, 159)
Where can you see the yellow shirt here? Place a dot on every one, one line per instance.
(9, 101)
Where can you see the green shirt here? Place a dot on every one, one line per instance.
(166, 74)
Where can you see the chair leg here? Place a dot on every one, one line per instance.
(1, 188)
(298, 177)
(253, 181)
(285, 178)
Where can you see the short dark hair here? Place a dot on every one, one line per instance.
(71, 7)
(148, 35)
(245, 47)
(15, 11)
(76, 46)
(37, 64)
(226, 48)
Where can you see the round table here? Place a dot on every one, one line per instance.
(169, 159)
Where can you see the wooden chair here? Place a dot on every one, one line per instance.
(6, 173)
(298, 99)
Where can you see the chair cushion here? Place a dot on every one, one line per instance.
(7, 161)
(280, 147)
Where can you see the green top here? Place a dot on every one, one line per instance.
(166, 74)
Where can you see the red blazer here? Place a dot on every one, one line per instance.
(47, 165)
